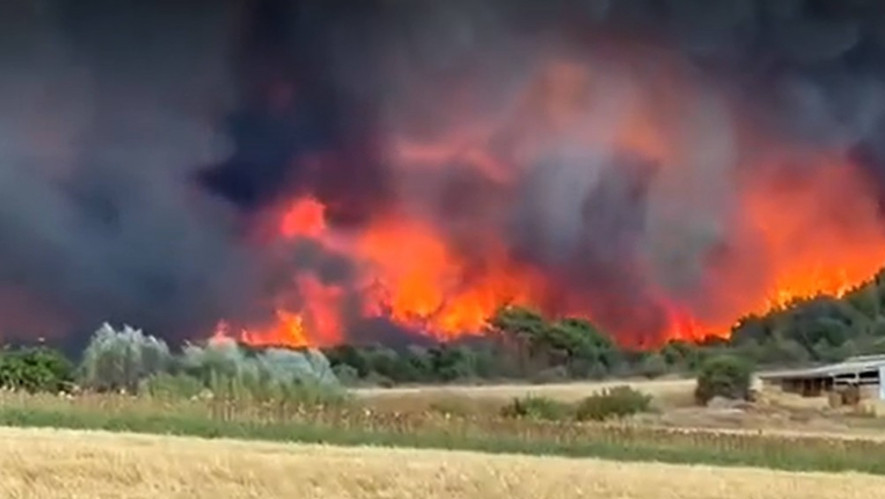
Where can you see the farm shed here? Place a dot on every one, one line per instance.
(865, 374)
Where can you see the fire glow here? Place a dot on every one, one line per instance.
(441, 273)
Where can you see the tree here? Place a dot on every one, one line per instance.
(681, 354)
(780, 351)
(573, 342)
(585, 345)
(823, 318)
(617, 402)
(418, 363)
(386, 362)
(723, 376)
(451, 363)
(352, 356)
(865, 299)
(524, 328)
(116, 360)
(35, 369)
(752, 328)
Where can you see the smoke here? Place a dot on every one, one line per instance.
(139, 139)
(107, 106)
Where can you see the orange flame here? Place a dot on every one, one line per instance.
(419, 282)
(818, 232)
(823, 234)
(315, 323)
(305, 217)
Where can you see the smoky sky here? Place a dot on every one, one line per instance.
(139, 138)
(810, 70)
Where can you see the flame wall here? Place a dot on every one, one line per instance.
(368, 169)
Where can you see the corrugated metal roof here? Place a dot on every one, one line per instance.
(849, 366)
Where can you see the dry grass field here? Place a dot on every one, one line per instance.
(565, 392)
(777, 414)
(50, 464)
(485, 398)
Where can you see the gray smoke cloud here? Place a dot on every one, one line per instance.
(106, 110)
(112, 108)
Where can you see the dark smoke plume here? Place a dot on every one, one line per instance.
(137, 137)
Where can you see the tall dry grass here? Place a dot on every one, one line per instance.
(53, 464)
(666, 389)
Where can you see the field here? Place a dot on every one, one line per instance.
(777, 413)
(434, 421)
(432, 442)
(567, 392)
(71, 464)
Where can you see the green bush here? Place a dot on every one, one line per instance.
(724, 376)
(278, 365)
(274, 375)
(116, 360)
(35, 370)
(612, 403)
(532, 407)
(653, 366)
(453, 363)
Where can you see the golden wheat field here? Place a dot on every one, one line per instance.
(50, 464)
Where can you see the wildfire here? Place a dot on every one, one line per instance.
(818, 232)
(823, 235)
(305, 218)
(418, 281)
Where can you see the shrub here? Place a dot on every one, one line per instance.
(218, 358)
(723, 376)
(616, 402)
(347, 375)
(581, 368)
(116, 360)
(225, 358)
(532, 407)
(452, 363)
(171, 386)
(420, 362)
(309, 366)
(653, 366)
(35, 369)
(356, 357)
(276, 374)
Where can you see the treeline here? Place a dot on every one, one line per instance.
(519, 345)
(522, 344)
(817, 330)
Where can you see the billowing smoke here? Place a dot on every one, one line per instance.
(107, 108)
(618, 148)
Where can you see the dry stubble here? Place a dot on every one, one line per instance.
(50, 464)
